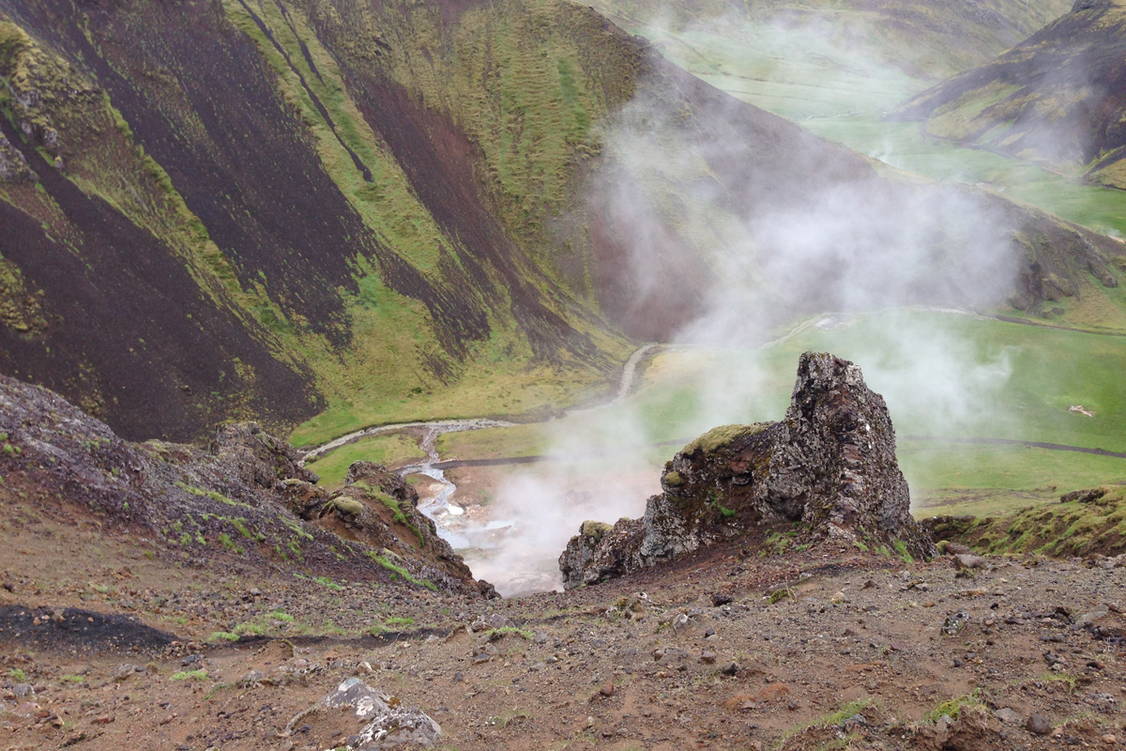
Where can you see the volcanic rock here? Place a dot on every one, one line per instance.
(826, 471)
(245, 496)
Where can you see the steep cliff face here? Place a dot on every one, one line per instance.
(827, 471)
(1057, 97)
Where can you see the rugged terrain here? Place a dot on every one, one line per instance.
(826, 472)
(724, 649)
(1058, 97)
(116, 628)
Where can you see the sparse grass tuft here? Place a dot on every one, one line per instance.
(190, 675)
(217, 636)
(953, 707)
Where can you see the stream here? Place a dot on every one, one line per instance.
(460, 531)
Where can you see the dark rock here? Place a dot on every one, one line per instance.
(246, 485)
(1038, 724)
(720, 599)
(829, 464)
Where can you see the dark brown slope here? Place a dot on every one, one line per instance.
(1057, 97)
(211, 105)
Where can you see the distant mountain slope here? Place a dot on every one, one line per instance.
(925, 39)
(363, 212)
(1058, 97)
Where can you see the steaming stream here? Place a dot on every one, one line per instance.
(460, 531)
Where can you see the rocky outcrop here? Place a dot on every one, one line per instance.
(827, 471)
(244, 497)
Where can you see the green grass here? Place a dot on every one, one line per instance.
(825, 721)
(394, 621)
(832, 92)
(990, 480)
(401, 571)
(217, 636)
(190, 675)
(520, 440)
(390, 450)
(952, 708)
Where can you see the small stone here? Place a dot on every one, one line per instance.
(969, 561)
(1038, 724)
(708, 657)
(720, 599)
(607, 689)
(252, 678)
(955, 622)
(1008, 716)
(731, 669)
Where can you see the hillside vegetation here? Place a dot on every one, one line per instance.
(259, 214)
(1058, 97)
(335, 214)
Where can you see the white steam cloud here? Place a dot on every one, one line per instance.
(781, 229)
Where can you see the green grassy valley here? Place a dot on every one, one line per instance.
(847, 94)
(429, 248)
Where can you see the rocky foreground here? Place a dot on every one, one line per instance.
(794, 607)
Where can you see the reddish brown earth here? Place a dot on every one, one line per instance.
(603, 667)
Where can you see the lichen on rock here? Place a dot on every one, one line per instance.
(828, 469)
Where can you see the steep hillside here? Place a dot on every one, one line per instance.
(1058, 97)
(923, 39)
(241, 216)
(360, 213)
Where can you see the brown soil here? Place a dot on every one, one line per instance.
(604, 667)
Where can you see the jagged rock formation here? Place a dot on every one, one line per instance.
(1059, 96)
(827, 470)
(245, 495)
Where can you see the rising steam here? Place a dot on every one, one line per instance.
(753, 227)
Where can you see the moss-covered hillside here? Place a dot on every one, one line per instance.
(1082, 523)
(334, 213)
(1058, 97)
(218, 208)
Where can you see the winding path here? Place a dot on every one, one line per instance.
(626, 384)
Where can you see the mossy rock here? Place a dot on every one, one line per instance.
(594, 529)
(346, 506)
(721, 436)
